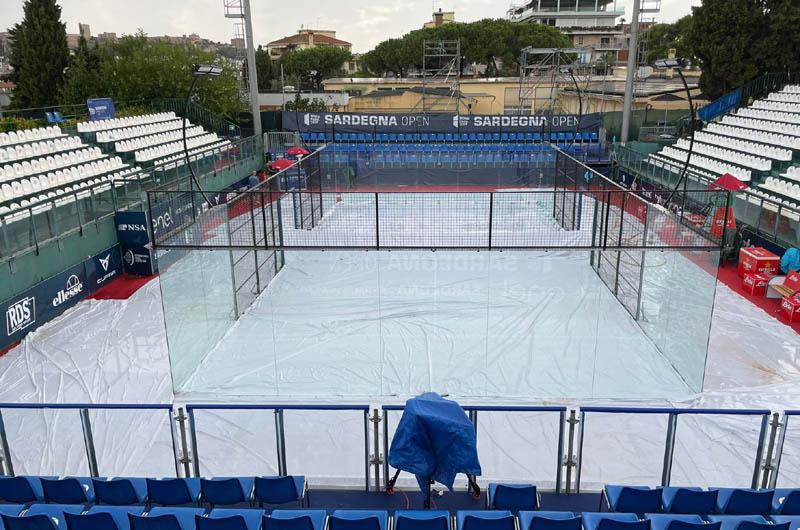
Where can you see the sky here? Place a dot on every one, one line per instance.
(361, 22)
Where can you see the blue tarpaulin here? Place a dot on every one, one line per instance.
(791, 261)
(434, 440)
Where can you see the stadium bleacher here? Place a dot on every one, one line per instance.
(82, 503)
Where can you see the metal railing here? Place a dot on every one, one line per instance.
(768, 436)
(755, 89)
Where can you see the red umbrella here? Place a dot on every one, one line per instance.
(728, 182)
(281, 164)
(294, 151)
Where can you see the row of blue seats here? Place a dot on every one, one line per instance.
(165, 492)
(76, 517)
(449, 137)
(401, 160)
(689, 500)
(451, 148)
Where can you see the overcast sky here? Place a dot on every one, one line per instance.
(362, 22)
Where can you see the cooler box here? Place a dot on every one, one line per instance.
(758, 260)
(755, 283)
(790, 309)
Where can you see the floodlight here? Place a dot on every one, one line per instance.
(207, 69)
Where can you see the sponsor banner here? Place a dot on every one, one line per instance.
(177, 211)
(101, 109)
(138, 260)
(435, 123)
(48, 299)
(132, 228)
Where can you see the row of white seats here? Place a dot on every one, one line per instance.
(144, 142)
(173, 161)
(778, 106)
(775, 153)
(42, 147)
(791, 89)
(140, 130)
(117, 123)
(770, 115)
(775, 139)
(783, 187)
(29, 135)
(163, 151)
(784, 97)
(24, 187)
(740, 159)
(715, 166)
(792, 173)
(762, 125)
(43, 164)
(775, 203)
(14, 211)
(677, 167)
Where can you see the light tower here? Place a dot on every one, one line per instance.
(240, 9)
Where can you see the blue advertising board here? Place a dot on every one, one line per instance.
(48, 299)
(101, 109)
(724, 104)
(132, 228)
(138, 260)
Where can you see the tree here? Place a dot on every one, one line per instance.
(780, 47)
(306, 105)
(264, 69)
(39, 54)
(313, 65)
(83, 75)
(663, 37)
(725, 37)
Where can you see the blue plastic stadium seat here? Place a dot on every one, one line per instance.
(21, 489)
(668, 521)
(495, 137)
(358, 520)
(633, 499)
(9, 509)
(514, 497)
(295, 520)
(786, 502)
(549, 521)
(226, 490)
(166, 518)
(34, 522)
(70, 490)
(119, 515)
(794, 522)
(485, 520)
(52, 512)
(173, 491)
(230, 519)
(279, 490)
(743, 501)
(732, 522)
(120, 491)
(614, 521)
(421, 520)
(688, 500)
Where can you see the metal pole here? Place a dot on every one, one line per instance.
(376, 446)
(5, 452)
(691, 138)
(386, 449)
(762, 437)
(773, 432)
(88, 442)
(193, 433)
(561, 419)
(280, 442)
(185, 145)
(669, 449)
(366, 450)
(633, 53)
(570, 448)
(184, 459)
(579, 459)
(773, 479)
(283, 88)
(491, 217)
(252, 71)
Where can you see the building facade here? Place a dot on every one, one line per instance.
(440, 18)
(304, 39)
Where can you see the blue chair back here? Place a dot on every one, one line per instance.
(685, 525)
(791, 504)
(303, 522)
(30, 522)
(91, 521)
(275, 490)
(367, 523)
(117, 492)
(168, 492)
(222, 491)
(694, 502)
(746, 502)
(157, 522)
(634, 500)
(500, 523)
(514, 497)
(16, 490)
(611, 524)
(407, 523)
(543, 523)
(58, 117)
(750, 525)
(235, 522)
(63, 491)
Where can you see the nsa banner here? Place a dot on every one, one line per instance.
(435, 123)
(48, 299)
(101, 109)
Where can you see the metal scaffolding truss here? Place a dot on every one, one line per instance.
(545, 72)
(234, 9)
(441, 72)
